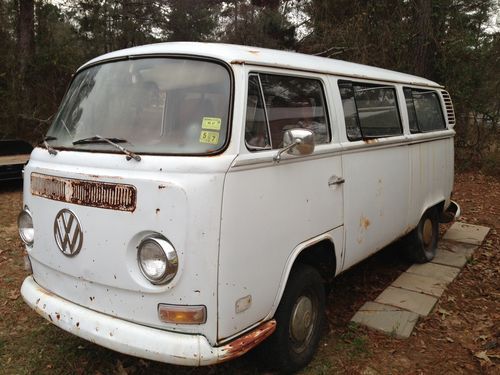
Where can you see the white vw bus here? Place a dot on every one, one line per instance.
(190, 200)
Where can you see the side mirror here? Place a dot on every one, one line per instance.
(296, 142)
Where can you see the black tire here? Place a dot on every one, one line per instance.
(422, 241)
(293, 344)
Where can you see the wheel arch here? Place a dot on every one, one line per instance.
(322, 252)
(439, 204)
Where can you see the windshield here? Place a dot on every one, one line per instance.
(150, 105)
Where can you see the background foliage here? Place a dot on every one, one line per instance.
(42, 42)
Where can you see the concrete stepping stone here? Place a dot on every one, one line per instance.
(460, 248)
(437, 271)
(387, 319)
(467, 233)
(416, 302)
(420, 284)
(415, 292)
(450, 258)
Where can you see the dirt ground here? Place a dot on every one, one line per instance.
(461, 336)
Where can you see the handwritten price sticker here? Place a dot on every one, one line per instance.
(209, 137)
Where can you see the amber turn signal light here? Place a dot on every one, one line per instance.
(179, 314)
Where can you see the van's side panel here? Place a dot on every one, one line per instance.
(431, 178)
(376, 195)
(268, 210)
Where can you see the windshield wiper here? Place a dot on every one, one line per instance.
(112, 141)
(50, 149)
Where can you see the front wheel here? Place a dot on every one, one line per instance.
(300, 320)
(422, 241)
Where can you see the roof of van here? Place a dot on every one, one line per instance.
(237, 54)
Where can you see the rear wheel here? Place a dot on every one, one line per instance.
(300, 320)
(422, 241)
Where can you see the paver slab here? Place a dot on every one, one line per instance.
(422, 284)
(461, 232)
(450, 258)
(437, 271)
(416, 302)
(457, 247)
(388, 319)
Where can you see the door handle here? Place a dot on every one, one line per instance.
(335, 180)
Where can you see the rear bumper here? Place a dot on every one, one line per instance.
(134, 339)
(451, 213)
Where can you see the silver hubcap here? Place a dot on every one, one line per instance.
(302, 319)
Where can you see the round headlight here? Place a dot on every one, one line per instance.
(157, 260)
(25, 224)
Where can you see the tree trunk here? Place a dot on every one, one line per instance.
(423, 51)
(26, 35)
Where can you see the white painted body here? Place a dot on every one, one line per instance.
(238, 220)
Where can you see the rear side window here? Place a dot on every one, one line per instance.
(424, 110)
(370, 111)
(289, 103)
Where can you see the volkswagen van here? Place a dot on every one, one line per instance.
(191, 200)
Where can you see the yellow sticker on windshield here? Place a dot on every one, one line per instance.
(211, 123)
(209, 137)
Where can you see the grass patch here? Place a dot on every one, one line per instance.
(354, 342)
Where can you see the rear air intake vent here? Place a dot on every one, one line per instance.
(84, 192)
(450, 113)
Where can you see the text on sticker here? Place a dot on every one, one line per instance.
(211, 123)
(209, 137)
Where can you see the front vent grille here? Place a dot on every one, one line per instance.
(84, 192)
(450, 113)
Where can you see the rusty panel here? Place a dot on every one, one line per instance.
(246, 342)
(84, 192)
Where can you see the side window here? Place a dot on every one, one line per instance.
(370, 111)
(290, 103)
(426, 107)
(410, 107)
(350, 111)
(256, 129)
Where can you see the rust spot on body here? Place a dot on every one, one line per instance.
(364, 222)
(371, 141)
(248, 341)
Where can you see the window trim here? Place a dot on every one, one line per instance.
(438, 97)
(313, 78)
(261, 94)
(358, 121)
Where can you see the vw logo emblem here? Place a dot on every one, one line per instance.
(68, 233)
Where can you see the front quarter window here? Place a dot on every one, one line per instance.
(151, 105)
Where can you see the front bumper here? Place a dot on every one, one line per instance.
(134, 339)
